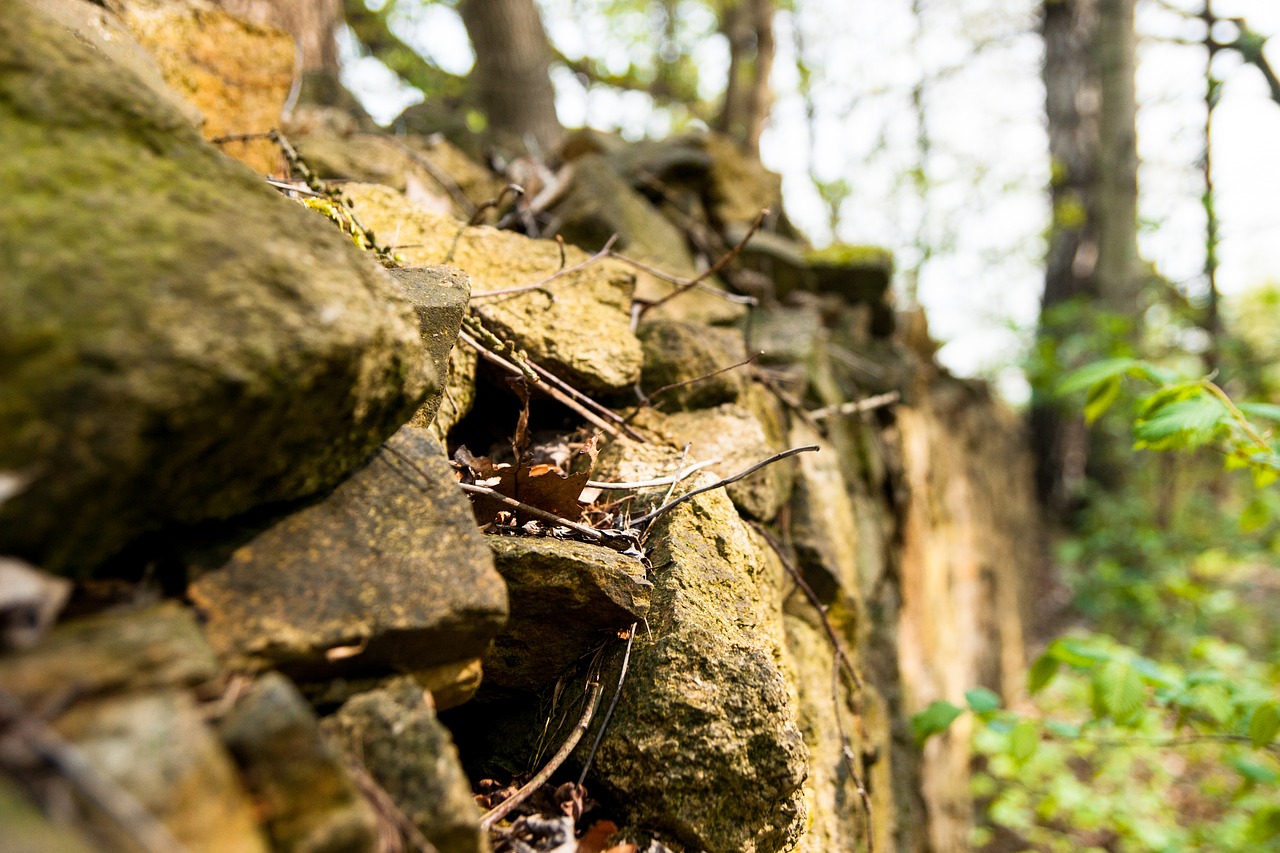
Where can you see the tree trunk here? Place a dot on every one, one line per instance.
(748, 24)
(312, 24)
(511, 77)
(1092, 259)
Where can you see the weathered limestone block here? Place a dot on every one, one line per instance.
(566, 597)
(601, 203)
(386, 573)
(307, 800)
(237, 74)
(824, 523)
(152, 648)
(580, 328)
(28, 830)
(855, 273)
(439, 296)
(705, 747)
(450, 684)
(678, 352)
(740, 186)
(157, 747)
(394, 733)
(178, 341)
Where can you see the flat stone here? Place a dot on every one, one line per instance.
(393, 732)
(308, 800)
(579, 328)
(157, 747)
(856, 273)
(566, 597)
(677, 352)
(439, 296)
(387, 573)
(180, 343)
(156, 647)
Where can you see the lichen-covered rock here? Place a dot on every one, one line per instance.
(394, 734)
(855, 273)
(439, 296)
(704, 748)
(578, 328)
(307, 800)
(740, 186)
(178, 342)
(155, 647)
(235, 73)
(387, 573)
(157, 748)
(677, 352)
(565, 598)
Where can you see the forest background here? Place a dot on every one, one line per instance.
(1080, 193)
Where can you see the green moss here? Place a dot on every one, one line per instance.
(850, 255)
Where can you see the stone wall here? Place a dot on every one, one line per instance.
(247, 604)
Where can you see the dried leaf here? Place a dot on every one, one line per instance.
(595, 839)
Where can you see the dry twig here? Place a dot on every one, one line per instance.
(714, 268)
(866, 404)
(613, 703)
(647, 400)
(561, 273)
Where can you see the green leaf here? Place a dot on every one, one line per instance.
(981, 700)
(1101, 397)
(1264, 725)
(934, 719)
(1041, 673)
(1023, 741)
(1092, 374)
(1254, 771)
(1078, 653)
(1120, 690)
(1255, 516)
(1182, 423)
(1057, 728)
(1270, 411)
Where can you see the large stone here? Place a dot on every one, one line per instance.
(578, 328)
(566, 597)
(178, 342)
(28, 830)
(308, 801)
(237, 74)
(676, 352)
(157, 748)
(155, 647)
(387, 573)
(394, 733)
(439, 296)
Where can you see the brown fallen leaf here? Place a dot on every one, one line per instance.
(543, 486)
(597, 836)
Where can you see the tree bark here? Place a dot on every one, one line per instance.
(512, 72)
(748, 24)
(1091, 265)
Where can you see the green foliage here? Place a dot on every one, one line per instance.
(934, 719)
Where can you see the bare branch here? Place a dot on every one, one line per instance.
(714, 268)
(648, 398)
(561, 273)
(866, 404)
(613, 704)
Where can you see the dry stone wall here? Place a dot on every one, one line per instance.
(245, 603)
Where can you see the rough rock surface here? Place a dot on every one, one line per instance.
(677, 352)
(394, 573)
(439, 296)
(578, 328)
(566, 597)
(705, 746)
(394, 734)
(178, 341)
(308, 801)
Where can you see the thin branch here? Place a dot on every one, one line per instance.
(716, 267)
(512, 189)
(589, 532)
(613, 703)
(387, 809)
(866, 404)
(562, 272)
(555, 393)
(670, 505)
(660, 481)
(509, 805)
(69, 760)
(735, 298)
(648, 398)
(439, 176)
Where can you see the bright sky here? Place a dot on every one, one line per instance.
(986, 210)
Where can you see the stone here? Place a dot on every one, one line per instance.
(740, 187)
(566, 597)
(579, 328)
(439, 296)
(394, 574)
(733, 434)
(156, 647)
(308, 802)
(30, 601)
(28, 830)
(824, 524)
(856, 273)
(679, 352)
(157, 747)
(236, 74)
(705, 747)
(394, 733)
(450, 685)
(601, 203)
(180, 342)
